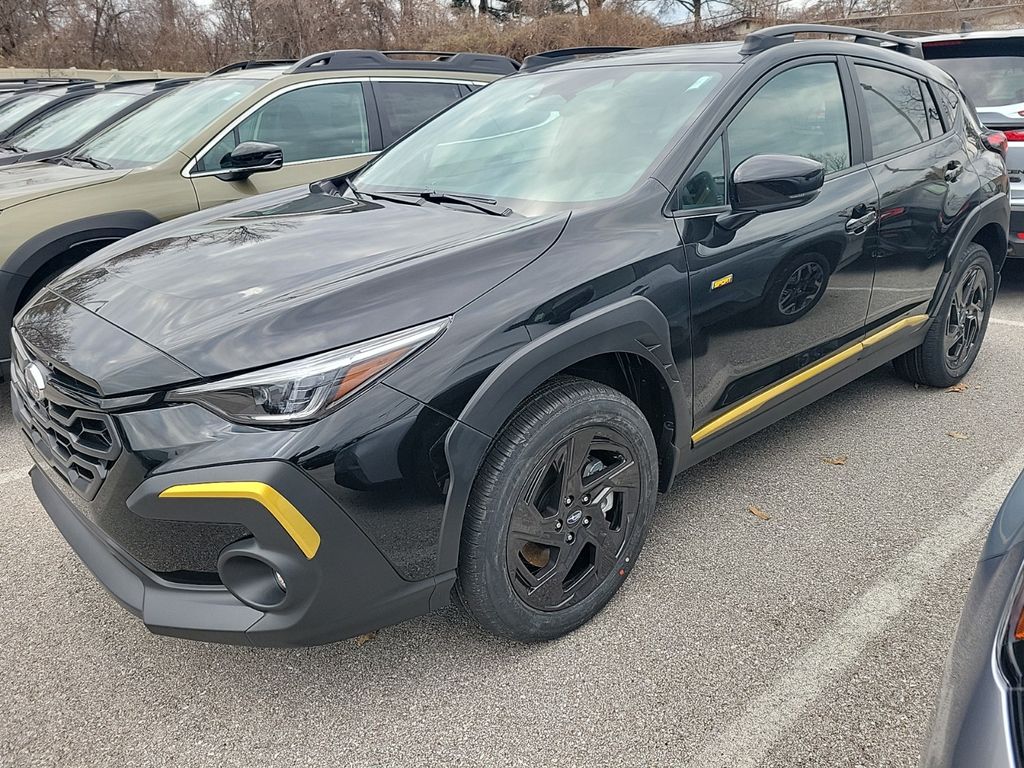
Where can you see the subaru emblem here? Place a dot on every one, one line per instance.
(35, 379)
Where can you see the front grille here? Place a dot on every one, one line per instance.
(81, 445)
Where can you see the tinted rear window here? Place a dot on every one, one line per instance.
(990, 72)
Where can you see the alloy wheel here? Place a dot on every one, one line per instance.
(966, 318)
(570, 525)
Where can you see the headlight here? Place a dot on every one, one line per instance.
(305, 390)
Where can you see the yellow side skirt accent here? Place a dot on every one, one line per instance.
(798, 378)
(293, 522)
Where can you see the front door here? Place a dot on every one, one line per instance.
(790, 288)
(323, 130)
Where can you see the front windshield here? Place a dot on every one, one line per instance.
(14, 111)
(564, 136)
(157, 130)
(66, 127)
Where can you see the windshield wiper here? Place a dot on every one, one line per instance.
(90, 161)
(405, 198)
(485, 204)
(13, 148)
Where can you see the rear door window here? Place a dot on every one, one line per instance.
(896, 114)
(405, 105)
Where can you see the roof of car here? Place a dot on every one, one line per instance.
(749, 50)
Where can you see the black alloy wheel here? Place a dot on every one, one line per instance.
(952, 342)
(558, 512)
(966, 317)
(568, 529)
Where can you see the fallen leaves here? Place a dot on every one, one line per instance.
(362, 640)
(959, 387)
(959, 435)
(757, 512)
(836, 461)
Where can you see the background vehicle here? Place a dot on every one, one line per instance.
(28, 105)
(978, 721)
(15, 84)
(250, 128)
(475, 363)
(989, 67)
(67, 125)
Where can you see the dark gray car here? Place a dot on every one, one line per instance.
(977, 723)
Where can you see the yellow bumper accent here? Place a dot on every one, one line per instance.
(293, 522)
(757, 401)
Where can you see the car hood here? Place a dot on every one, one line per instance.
(22, 182)
(300, 273)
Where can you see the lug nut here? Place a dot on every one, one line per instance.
(586, 521)
(568, 501)
(585, 499)
(570, 537)
(558, 525)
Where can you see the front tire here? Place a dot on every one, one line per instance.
(558, 512)
(952, 343)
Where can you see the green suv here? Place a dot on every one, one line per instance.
(248, 128)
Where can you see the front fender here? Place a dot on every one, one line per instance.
(632, 326)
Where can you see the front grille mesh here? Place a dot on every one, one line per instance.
(80, 444)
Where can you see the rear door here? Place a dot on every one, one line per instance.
(787, 289)
(323, 128)
(925, 182)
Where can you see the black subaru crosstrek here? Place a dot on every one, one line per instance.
(471, 367)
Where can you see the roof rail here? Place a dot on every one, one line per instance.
(763, 39)
(484, 63)
(252, 64)
(547, 58)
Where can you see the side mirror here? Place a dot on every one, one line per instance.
(248, 158)
(767, 183)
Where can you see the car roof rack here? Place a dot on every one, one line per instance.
(770, 37)
(483, 63)
(251, 64)
(158, 83)
(547, 58)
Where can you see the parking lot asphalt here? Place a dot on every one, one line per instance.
(815, 637)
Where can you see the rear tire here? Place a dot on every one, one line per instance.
(952, 343)
(558, 512)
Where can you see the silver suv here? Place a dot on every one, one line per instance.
(989, 67)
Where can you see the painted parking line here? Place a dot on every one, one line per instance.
(748, 739)
(1001, 321)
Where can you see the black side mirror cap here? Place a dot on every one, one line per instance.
(767, 183)
(248, 158)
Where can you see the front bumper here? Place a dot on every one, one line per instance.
(975, 722)
(346, 588)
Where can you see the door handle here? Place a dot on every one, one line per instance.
(859, 224)
(953, 170)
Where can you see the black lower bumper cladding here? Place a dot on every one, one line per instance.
(346, 588)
